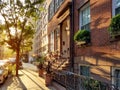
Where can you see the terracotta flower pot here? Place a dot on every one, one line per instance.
(41, 72)
(48, 79)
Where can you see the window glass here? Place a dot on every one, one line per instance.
(85, 18)
(117, 3)
(115, 7)
(56, 4)
(85, 70)
(52, 42)
(117, 78)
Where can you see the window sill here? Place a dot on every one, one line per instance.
(83, 44)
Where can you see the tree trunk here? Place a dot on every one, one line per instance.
(17, 61)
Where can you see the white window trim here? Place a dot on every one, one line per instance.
(113, 74)
(80, 16)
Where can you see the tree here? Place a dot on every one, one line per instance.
(17, 26)
(8, 53)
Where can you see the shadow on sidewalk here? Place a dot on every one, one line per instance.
(33, 80)
(13, 83)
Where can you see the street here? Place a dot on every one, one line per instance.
(28, 80)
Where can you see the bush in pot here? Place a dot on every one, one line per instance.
(48, 76)
(40, 62)
(82, 37)
(114, 27)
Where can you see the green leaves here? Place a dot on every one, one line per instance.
(114, 27)
(82, 35)
(19, 17)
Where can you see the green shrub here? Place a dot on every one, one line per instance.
(82, 35)
(114, 27)
(40, 60)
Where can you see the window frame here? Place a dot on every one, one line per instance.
(51, 10)
(113, 75)
(80, 15)
(83, 65)
(114, 7)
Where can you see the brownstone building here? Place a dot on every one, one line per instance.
(59, 29)
(100, 60)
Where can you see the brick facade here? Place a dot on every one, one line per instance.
(60, 21)
(102, 55)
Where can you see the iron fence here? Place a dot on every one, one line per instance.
(72, 81)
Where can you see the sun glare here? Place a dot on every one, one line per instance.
(12, 31)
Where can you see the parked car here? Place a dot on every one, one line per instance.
(3, 71)
(13, 61)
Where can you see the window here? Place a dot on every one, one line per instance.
(52, 41)
(115, 7)
(60, 1)
(85, 17)
(53, 7)
(56, 4)
(85, 70)
(51, 10)
(116, 77)
(57, 32)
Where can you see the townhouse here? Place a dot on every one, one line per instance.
(100, 60)
(59, 28)
(41, 38)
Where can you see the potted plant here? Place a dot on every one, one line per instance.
(114, 28)
(48, 75)
(82, 37)
(40, 63)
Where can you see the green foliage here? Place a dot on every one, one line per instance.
(40, 59)
(8, 52)
(82, 35)
(91, 84)
(19, 17)
(114, 27)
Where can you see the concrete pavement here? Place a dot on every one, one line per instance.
(28, 80)
(29, 66)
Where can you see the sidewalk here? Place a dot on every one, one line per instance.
(27, 80)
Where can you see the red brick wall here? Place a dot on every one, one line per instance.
(102, 54)
(100, 19)
(77, 5)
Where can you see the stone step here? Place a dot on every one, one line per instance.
(58, 86)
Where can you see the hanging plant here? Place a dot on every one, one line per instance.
(114, 27)
(82, 37)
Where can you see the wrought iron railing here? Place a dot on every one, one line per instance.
(72, 81)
